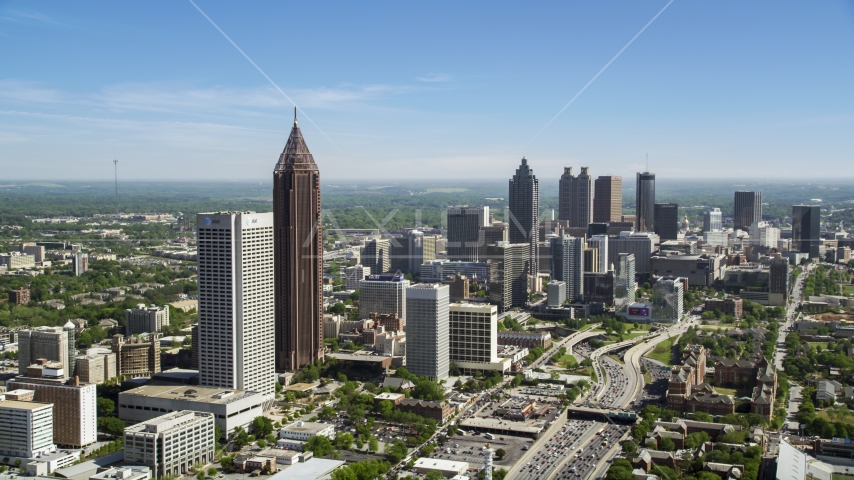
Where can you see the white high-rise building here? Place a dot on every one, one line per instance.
(567, 265)
(144, 319)
(236, 311)
(600, 242)
(712, 220)
(355, 274)
(474, 335)
(383, 294)
(762, 234)
(27, 427)
(428, 330)
(556, 293)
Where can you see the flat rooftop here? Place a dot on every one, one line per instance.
(18, 405)
(191, 393)
(306, 427)
(352, 357)
(441, 465)
(504, 425)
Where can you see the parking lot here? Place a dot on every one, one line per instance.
(653, 392)
(469, 448)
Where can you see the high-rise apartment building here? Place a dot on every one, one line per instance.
(75, 418)
(383, 295)
(608, 199)
(136, 356)
(508, 277)
(144, 319)
(645, 202)
(556, 293)
(172, 444)
(625, 286)
(667, 299)
(524, 213)
(567, 265)
(55, 344)
(712, 220)
(575, 198)
(298, 269)
(667, 221)
(21, 296)
(474, 336)
(236, 301)
(746, 210)
(79, 263)
(600, 243)
(355, 274)
(464, 232)
(778, 281)
(27, 428)
(428, 330)
(377, 255)
(806, 229)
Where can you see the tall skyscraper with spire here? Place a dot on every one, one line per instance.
(525, 212)
(298, 238)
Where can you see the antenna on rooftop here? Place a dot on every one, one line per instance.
(116, 172)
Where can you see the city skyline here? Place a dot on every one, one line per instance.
(175, 93)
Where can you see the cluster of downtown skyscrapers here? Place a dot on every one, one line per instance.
(260, 275)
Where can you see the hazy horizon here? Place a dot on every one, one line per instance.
(389, 90)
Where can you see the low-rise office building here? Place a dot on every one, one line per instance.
(123, 473)
(171, 444)
(303, 431)
(231, 408)
(137, 356)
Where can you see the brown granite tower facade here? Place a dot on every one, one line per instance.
(298, 238)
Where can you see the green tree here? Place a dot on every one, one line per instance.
(434, 475)
(667, 444)
(319, 445)
(111, 426)
(373, 444)
(262, 426)
(106, 407)
(386, 408)
(396, 451)
(200, 476)
(500, 453)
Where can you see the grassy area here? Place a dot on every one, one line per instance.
(842, 476)
(647, 378)
(617, 358)
(847, 290)
(567, 361)
(823, 345)
(726, 391)
(663, 351)
(846, 418)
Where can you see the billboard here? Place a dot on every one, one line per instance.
(639, 311)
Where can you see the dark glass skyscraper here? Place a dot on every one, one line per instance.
(298, 239)
(645, 201)
(747, 208)
(525, 212)
(806, 229)
(667, 221)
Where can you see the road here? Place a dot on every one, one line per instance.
(551, 455)
(791, 315)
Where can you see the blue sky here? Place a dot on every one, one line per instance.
(426, 89)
